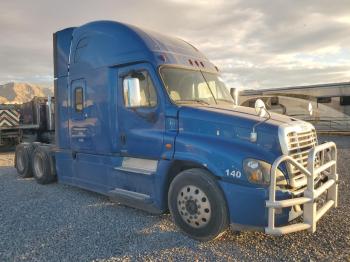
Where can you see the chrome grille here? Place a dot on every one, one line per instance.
(299, 145)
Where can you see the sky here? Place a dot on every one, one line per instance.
(255, 43)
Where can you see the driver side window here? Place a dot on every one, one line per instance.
(147, 93)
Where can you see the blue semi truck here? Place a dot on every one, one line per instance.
(146, 120)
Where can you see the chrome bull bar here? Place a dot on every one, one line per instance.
(310, 213)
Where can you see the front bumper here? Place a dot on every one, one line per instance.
(311, 213)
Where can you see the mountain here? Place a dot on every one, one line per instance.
(18, 93)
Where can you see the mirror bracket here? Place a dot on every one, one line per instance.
(260, 109)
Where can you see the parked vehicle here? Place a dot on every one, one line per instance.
(27, 122)
(331, 103)
(146, 120)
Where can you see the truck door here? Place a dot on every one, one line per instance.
(140, 112)
(78, 130)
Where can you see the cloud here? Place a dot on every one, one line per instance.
(255, 43)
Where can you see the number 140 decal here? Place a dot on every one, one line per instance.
(233, 173)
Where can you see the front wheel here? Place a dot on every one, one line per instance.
(198, 205)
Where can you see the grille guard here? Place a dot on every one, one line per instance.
(310, 213)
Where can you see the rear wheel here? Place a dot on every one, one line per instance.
(23, 162)
(44, 169)
(197, 204)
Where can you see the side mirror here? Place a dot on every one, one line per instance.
(132, 92)
(310, 109)
(234, 94)
(260, 108)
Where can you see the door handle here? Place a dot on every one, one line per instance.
(123, 139)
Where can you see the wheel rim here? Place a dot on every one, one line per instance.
(20, 162)
(194, 206)
(38, 165)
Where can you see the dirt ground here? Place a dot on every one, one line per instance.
(56, 222)
(7, 159)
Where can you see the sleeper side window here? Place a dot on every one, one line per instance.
(139, 91)
(79, 99)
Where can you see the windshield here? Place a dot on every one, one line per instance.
(190, 86)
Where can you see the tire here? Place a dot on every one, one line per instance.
(36, 144)
(44, 168)
(197, 205)
(23, 160)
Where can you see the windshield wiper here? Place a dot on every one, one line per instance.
(224, 100)
(206, 81)
(193, 100)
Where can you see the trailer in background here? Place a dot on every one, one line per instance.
(330, 103)
(27, 122)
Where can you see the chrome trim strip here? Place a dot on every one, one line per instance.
(138, 166)
(134, 170)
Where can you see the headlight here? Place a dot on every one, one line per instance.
(258, 172)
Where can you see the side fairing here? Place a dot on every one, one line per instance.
(61, 48)
(62, 113)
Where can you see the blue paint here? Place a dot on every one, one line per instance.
(247, 205)
(91, 143)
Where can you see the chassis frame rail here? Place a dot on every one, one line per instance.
(310, 213)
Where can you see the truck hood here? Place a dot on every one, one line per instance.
(242, 114)
(234, 124)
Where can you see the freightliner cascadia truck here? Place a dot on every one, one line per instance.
(147, 120)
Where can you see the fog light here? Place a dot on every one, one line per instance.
(256, 176)
(258, 172)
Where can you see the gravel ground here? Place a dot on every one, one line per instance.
(63, 223)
